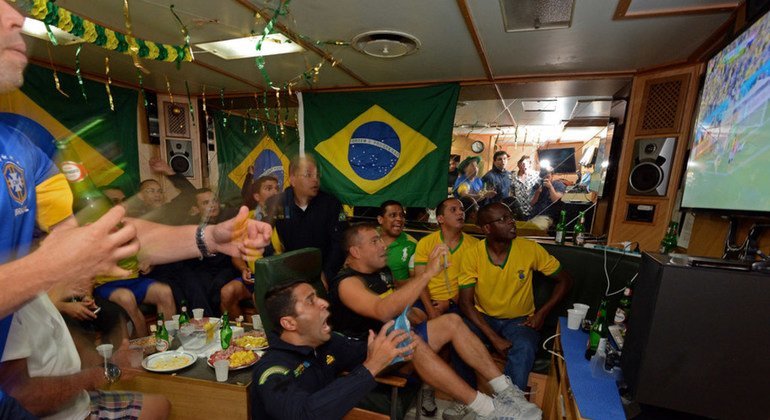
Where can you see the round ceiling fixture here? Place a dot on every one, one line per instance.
(385, 44)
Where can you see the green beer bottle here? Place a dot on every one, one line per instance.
(669, 241)
(561, 228)
(226, 334)
(624, 309)
(183, 317)
(579, 236)
(162, 341)
(89, 203)
(597, 338)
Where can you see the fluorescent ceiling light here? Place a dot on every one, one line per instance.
(233, 49)
(547, 105)
(36, 28)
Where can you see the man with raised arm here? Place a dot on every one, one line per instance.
(363, 298)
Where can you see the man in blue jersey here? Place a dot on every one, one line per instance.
(41, 367)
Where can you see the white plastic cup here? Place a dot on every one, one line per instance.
(104, 350)
(136, 355)
(175, 318)
(574, 317)
(198, 313)
(582, 307)
(222, 368)
(256, 322)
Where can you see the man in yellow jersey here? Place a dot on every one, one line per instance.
(496, 290)
(441, 295)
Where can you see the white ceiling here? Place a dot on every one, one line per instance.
(601, 52)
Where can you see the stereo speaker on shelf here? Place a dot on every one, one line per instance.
(651, 169)
(179, 156)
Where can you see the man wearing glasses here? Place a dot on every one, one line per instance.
(496, 290)
(304, 216)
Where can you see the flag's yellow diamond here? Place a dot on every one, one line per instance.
(375, 149)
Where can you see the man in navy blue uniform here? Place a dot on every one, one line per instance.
(299, 376)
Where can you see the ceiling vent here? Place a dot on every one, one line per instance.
(385, 44)
(533, 15)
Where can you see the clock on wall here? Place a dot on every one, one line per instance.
(477, 146)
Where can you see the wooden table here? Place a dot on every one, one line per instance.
(195, 393)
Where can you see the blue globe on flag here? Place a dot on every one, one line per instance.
(268, 163)
(374, 150)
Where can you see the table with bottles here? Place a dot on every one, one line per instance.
(585, 396)
(194, 391)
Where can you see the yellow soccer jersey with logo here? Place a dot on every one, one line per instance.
(437, 285)
(505, 291)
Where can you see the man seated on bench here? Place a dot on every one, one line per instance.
(299, 376)
(496, 290)
(363, 298)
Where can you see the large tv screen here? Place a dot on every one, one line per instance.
(729, 164)
(560, 160)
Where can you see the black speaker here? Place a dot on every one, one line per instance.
(698, 339)
(179, 155)
(651, 166)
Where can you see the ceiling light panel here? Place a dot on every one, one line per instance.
(234, 49)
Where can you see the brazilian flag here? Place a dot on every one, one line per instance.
(245, 143)
(377, 146)
(108, 147)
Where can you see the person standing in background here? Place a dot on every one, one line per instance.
(498, 177)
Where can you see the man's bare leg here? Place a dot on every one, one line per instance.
(451, 328)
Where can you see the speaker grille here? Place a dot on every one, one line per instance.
(176, 120)
(663, 104)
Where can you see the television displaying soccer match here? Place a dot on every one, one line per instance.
(729, 164)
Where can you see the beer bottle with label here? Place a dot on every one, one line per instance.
(597, 338)
(162, 341)
(624, 309)
(89, 203)
(183, 317)
(226, 334)
(579, 236)
(561, 228)
(669, 241)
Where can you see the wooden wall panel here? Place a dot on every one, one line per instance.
(651, 96)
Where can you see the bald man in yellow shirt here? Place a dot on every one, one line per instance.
(496, 290)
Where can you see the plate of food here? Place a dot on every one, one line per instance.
(239, 357)
(146, 343)
(252, 340)
(169, 361)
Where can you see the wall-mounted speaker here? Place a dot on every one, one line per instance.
(180, 156)
(177, 117)
(651, 169)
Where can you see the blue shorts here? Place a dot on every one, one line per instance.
(249, 286)
(421, 329)
(137, 286)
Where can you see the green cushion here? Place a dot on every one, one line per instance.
(302, 264)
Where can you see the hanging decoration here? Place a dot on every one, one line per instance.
(222, 99)
(133, 47)
(77, 72)
(109, 82)
(141, 87)
(185, 34)
(168, 89)
(55, 74)
(189, 101)
(52, 14)
(205, 111)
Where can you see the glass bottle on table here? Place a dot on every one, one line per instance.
(561, 228)
(226, 333)
(579, 236)
(162, 342)
(89, 203)
(597, 338)
(183, 317)
(669, 241)
(624, 309)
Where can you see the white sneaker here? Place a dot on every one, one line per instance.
(456, 411)
(504, 410)
(429, 407)
(515, 396)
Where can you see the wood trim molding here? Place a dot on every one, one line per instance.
(622, 13)
(471, 26)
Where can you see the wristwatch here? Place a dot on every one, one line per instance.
(112, 373)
